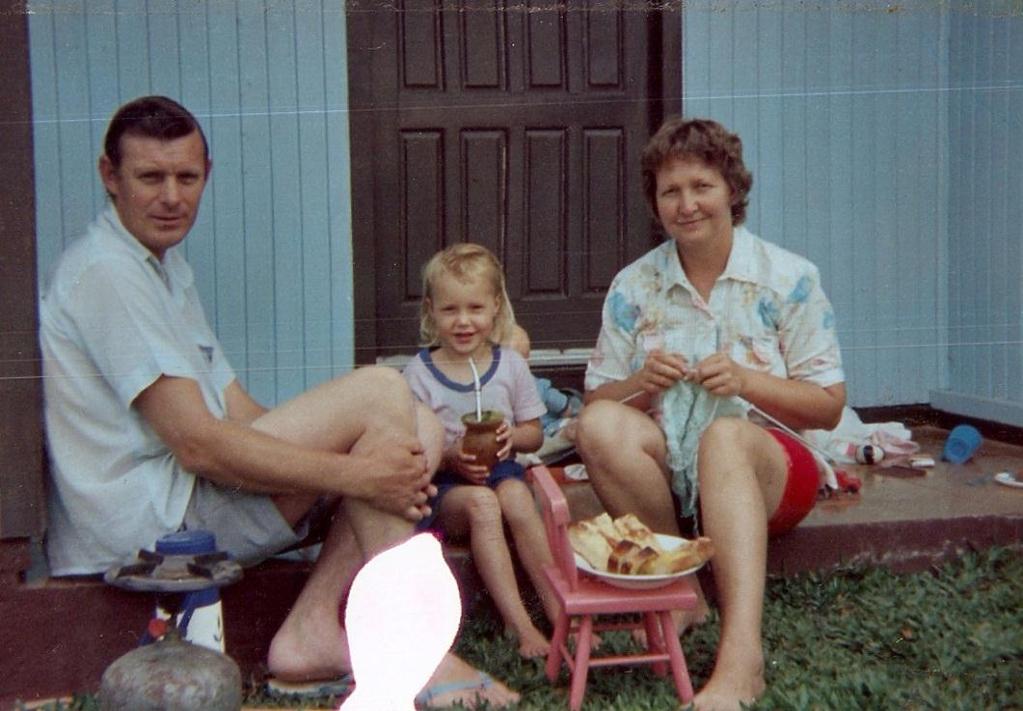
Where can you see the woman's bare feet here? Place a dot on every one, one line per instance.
(736, 680)
(532, 642)
(456, 681)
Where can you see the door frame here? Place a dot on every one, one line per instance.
(366, 30)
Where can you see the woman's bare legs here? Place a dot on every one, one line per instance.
(476, 511)
(743, 472)
(624, 453)
(527, 530)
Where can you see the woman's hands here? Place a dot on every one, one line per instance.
(661, 370)
(719, 375)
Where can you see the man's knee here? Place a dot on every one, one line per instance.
(387, 381)
(384, 388)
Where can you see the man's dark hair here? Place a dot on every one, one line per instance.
(150, 117)
(707, 140)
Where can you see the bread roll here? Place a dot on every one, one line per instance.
(688, 555)
(626, 546)
(632, 529)
(588, 541)
(627, 558)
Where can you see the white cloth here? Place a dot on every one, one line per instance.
(113, 320)
(841, 443)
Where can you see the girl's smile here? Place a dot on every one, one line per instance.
(463, 312)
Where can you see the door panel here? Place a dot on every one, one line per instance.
(514, 125)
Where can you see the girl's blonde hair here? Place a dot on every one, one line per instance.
(466, 261)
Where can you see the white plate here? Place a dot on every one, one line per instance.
(1008, 479)
(639, 582)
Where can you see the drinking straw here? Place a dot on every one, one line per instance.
(476, 385)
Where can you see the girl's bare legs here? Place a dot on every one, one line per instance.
(624, 453)
(476, 511)
(743, 472)
(527, 530)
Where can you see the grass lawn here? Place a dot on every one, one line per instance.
(951, 638)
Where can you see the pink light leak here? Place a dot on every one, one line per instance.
(403, 614)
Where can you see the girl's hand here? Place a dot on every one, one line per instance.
(662, 370)
(504, 438)
(719, 375)
(465, 466)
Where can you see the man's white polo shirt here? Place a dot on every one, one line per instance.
(113, 320)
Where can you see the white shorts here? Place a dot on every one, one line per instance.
(248, 526)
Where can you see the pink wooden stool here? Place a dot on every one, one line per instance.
(582, 598)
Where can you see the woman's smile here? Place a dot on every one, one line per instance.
(694, 203)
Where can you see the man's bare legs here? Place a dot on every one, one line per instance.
(310, 645)
(742, 478)
(352, 414)
(475, 511)
(355, 414)
(624, 453)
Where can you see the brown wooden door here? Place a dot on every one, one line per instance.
(514, 125)
(22, 501)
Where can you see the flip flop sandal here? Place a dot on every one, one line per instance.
(481, 683)
(339, 686)
(1009, 479)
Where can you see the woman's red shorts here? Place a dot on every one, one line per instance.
(800, 494)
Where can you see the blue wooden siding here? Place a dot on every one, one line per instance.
(985, 190)
(271, 249)
(841, 108)
(884, 139)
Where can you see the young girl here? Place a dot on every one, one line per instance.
(465, 314)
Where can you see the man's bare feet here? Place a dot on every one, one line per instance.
(734, 682)
(456, 681)
(309, 655)
(532, 642)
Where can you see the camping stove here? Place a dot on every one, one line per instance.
(173, 673)
(174, 573)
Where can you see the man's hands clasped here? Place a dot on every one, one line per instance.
(398, 477)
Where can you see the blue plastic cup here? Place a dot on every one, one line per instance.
(962, 443)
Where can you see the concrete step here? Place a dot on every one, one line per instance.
(58, 636)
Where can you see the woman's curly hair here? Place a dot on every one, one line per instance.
(706, 140)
